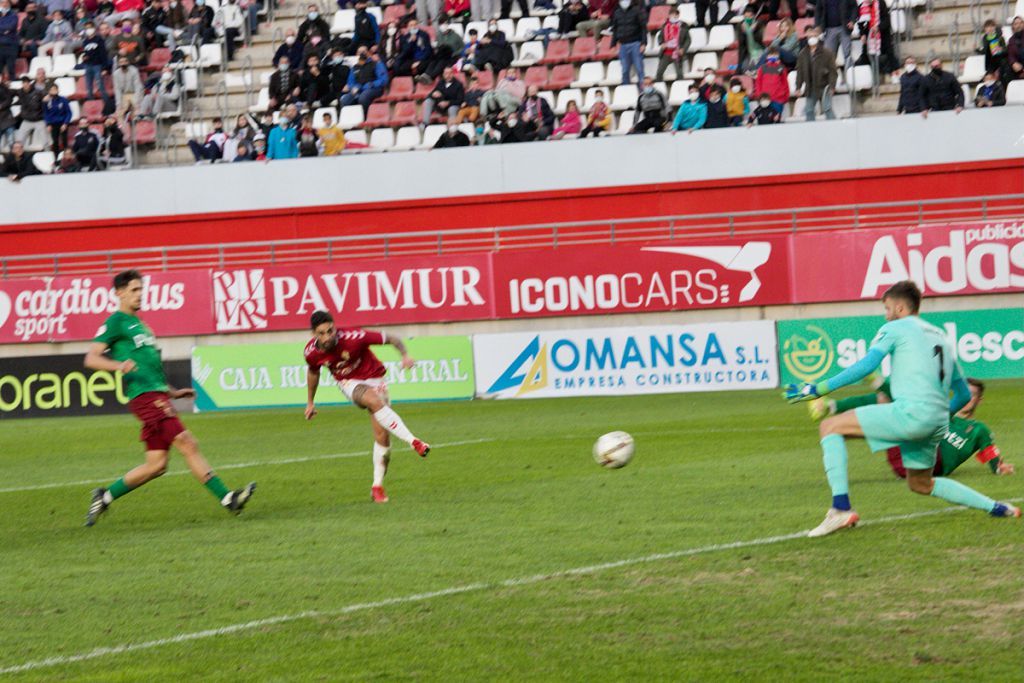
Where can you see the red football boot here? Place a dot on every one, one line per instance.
(377, 494)
(421, 447)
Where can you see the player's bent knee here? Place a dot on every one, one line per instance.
(186, 443)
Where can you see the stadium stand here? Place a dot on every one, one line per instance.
(182, 73)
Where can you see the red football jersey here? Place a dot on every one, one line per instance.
(351, 358)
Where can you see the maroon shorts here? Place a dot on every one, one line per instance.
(160, 423)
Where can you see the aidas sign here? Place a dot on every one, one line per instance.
(41, 386)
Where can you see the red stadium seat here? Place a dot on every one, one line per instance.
(605, 51)
(536, 75)
(423, 90)
(729, 62)
(378, 115)
(802, 25)
(93, 110)
(158, 58)
(657, 18)
(401, 89)
(771, 29)
(405, 115)
(583, 49)
(561, 77)
(394, 13)
(557, 52)
(145, 131)
(80, 93)
(485, 79)
(20, 67)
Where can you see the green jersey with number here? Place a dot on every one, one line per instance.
(128, 338)
(923, 367)
(964, 439)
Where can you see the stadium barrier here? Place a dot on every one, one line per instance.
(676, 275)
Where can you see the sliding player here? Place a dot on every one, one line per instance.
(966, 437)
(923, 373)
(133, 351)
(360, 374)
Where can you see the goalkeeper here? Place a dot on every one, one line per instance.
(966, 437)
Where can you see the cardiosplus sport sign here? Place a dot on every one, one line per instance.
(73, 308)
(943, 260)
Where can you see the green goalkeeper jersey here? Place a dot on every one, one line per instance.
(128, 338)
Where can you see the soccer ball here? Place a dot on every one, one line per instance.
(613, 450)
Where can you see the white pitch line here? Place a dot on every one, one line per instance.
(454, 590)
(231, 466)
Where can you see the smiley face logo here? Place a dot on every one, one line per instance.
(808, 355)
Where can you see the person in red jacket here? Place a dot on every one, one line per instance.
(772, 79)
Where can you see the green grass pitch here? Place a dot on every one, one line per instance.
(509, 555)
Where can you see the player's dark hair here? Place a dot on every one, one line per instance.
(123, 279)
(907, 291)
(977, 383)
(319, 318)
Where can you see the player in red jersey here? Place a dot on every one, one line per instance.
(360, 374)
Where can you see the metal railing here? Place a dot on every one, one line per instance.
(546, 235)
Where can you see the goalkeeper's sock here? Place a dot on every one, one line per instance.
(957, 493)
(381, 458)
(389, 420)
(833, 448)
(116, 490)
(215, 486)
(844, 404)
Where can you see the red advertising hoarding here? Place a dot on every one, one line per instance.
(72, 308)
(943, 260)
(637, 279)
(389, 291)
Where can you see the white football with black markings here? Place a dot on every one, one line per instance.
(613, 450)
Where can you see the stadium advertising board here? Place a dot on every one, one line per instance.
(73, 308)
(635, 360)
(265, 375)
(947, 260)
(46, 386)
(638, 279)
(988, 343)
(392, 291)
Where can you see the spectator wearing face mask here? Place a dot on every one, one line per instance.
(764, 113)
(911, 89)
(447, 96)
(230, 20)
(629, 32)
(337, 74)
(199, 23)
(571, 123)
(737, 104)
(387, 51)
(1015, 49)
(708, 83)
(447, 51)
(772, 79)
(212, 148)
(332, 139)
(58, 36)
(283, 141)
(165, 96)
(816, 76)
(750, 39)
(651, 107)
(239, 142)
(513, 129)
(692, 114)
(414, 49)
(94, 59)
(85, 146)
(112, 150)
(18, 164)
(506, 96)
(718, 114)
(32, 132)
(493, 51)
(127, 86)
(128, 42)
(314, 83)
(313, 23)
(33, 29)
(259, 148)
(10, 44)
(787, 43)
(290, 48)
(674, 38)
(990, 92)
(452, 137)
(177, 20)
(367, 33)
(536, 113)
(366, 82)
(599, 119)
(941, 91)
(284, 86)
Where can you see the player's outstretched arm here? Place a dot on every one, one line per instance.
(312, 382)
(95, 360)
(396, 341)
(808, 392)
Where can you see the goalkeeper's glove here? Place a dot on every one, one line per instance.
(796, 393)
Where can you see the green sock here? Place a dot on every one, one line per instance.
(955, 492)
(217, 487)
(118, 489)
(844, 404)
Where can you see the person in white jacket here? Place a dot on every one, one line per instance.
(230, 20)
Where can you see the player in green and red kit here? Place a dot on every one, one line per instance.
(965, 437)
(132, 351)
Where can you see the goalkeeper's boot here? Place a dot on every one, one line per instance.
(834, 521)
(377, 494)
(819, 409)
(1005, 510)
(236, 500)
(421, 447)
(97, 506)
